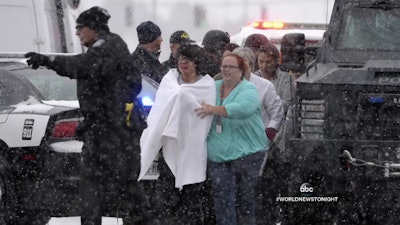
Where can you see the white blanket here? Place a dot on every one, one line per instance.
(174, 126)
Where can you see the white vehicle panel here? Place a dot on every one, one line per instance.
(23, 130)
(72, 146)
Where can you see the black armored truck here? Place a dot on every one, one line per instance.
(342, 134)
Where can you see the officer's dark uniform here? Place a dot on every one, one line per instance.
(106, 80)
(170, 63)
(214, 42)
(179, 37)
(110, 156)
(148, 63)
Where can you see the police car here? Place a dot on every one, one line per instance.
(275, 30)
(39, 154)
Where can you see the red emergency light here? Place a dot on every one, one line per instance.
(267, 24)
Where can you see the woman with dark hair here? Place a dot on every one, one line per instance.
(268, 62)
(236, 144)
(174, 127)
(254, 41)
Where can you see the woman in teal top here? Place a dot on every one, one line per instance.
(236, 145)
(240, 134)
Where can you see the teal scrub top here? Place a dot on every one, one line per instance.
(242, 130)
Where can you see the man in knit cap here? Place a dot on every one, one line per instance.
(106, 80)
(145, 56)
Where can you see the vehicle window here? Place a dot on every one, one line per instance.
(371, 29)
(148, 93)
(51, 85)
(3, 93)
(13, 92)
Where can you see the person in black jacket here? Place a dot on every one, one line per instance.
(107, 81)
(145, 56)
(214, 43)
(177, 39)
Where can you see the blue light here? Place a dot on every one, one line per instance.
(147, 101)
(373, 99)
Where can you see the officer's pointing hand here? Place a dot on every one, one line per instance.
(36, 60)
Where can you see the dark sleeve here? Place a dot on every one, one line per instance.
(132, 79)
(99, 61)
(68, 66)
(209, 64)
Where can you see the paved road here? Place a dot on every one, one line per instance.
(77, 221)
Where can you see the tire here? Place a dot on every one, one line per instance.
(33, 217)
(2, 205)
(17, 214)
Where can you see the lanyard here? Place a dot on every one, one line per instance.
(218, 119)
(221, 94)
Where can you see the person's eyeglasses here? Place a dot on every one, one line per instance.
(228, 67)
(184, 59)
(79, 27)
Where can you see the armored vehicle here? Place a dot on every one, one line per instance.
(342, 135)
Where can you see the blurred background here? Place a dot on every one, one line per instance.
(199, 16)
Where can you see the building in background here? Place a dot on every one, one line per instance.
(38, 25)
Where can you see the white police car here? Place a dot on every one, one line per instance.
(275, 30)
(39, 154)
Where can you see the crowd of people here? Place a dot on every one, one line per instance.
(217, 113)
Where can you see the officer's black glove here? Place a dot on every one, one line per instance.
(36, 60)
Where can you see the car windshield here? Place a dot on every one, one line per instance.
(13, 91)
(371, 28)
(55, 87)
(50, 85)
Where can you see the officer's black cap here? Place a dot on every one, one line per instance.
(95, 18)
(215, 37)
(148, 32)
(180, 37)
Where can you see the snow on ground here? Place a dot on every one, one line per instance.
(77, 221)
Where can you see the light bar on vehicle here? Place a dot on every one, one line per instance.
(267, 24)
(376, 99)
(264, 25)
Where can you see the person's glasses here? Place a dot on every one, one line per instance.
(79, 27)
(184, 59)
(228, 67)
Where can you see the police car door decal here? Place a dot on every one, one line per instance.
(28, 129)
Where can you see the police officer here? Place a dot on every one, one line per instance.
(106, 80)
(177, 39)
(148, 50)
(214, 43)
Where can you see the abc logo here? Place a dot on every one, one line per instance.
(306, 188)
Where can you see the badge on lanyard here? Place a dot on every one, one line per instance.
(218, 126)
(218, 121)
